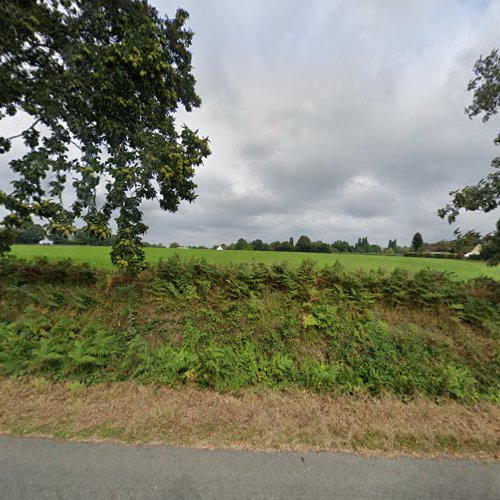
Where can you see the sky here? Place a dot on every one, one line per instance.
(334, 119)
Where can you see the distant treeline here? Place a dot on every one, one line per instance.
(305, 244)
(35, 233)
(452, 248)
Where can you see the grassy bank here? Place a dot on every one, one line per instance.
(250, 325)
(99, 256)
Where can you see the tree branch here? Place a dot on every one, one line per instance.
(33, 125)
(76, 145)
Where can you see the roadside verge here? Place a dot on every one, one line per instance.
(251, 419)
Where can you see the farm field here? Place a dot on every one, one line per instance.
(99, 257)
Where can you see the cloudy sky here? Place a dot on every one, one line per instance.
(335, 119)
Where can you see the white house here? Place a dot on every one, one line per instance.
(475, 251)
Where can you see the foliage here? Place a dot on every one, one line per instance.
(30, 234)
(362, 246)
(491, 247)
(234, 326)
(320, 247)
(19, 272)
(259, 245)
(341, 246)
(461, 245)
(281, 246)
(303, 244)
(107, 78)
(417, 242)
(466, 242)
(242, 244)
(393, 245)
(485, 195)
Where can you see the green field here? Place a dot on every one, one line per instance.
(99, 256)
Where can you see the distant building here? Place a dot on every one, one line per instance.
(475, 251)
(45, 241)
(219, 248)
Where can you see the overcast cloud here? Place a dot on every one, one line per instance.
(335, 119)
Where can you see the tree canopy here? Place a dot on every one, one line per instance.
(485, 195)
(242, 244)
(417, 242)
(101, 82)
(393, 245)
(30, 234)
(303, 244)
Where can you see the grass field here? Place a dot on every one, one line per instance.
(99, 257)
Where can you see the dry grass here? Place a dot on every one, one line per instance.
(260, 420)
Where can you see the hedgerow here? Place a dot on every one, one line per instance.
(229, 327)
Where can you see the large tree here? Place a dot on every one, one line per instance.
(303, 244)
(100, 82)
(258, 244)
(242, 244)
(417, 242)
(362, 245)
(485, 195)
(341, 246)
(31, 234)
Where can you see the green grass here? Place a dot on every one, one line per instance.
(99, 256)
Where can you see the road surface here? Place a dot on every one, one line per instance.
(39, 468)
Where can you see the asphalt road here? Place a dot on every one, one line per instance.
(38, 468)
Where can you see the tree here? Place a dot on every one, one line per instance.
(491, 247)
(257, 245)
(362, 246)
(82, 237)
(320, 247)
(285, 246)
(485, 195)
(417, 242)
(242, 244)
(174, 244)
(341, 246)
(466, 242)
(303, 244)
(442, 246)
(57, 239)
(281, 246)
(106, 79)
(30, 234)
(393, 245)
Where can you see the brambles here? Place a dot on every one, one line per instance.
(229, 327)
